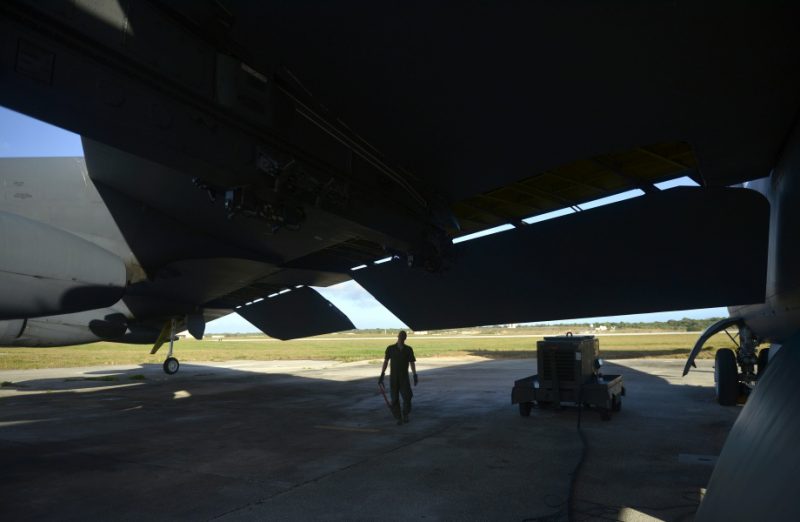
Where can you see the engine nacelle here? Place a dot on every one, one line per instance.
(106, 324)
(46, 271)
(10, 331)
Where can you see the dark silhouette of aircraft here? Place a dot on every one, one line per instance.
(238, 153)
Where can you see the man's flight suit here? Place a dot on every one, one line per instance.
(399, 383)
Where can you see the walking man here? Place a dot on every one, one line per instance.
(401, 356)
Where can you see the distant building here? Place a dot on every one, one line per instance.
(186, 335)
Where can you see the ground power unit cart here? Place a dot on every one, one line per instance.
(570, 371)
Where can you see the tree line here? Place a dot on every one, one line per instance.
(673, 325)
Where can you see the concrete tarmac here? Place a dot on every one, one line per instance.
(299, 440)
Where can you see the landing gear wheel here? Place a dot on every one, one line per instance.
(726, 377)
(171, 366)
(763, 359)
(525, 409)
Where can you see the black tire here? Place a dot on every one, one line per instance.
(525, 409)
(726, 377)
(616, 403)
(763, 360)
(171, 366)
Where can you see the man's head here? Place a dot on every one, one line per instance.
(401, 337)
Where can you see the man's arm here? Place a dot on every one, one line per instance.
(383, 370)
(414, 372)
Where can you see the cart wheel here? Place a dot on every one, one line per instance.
(525, 409)
(616, 403)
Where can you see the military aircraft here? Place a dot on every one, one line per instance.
(238, 153)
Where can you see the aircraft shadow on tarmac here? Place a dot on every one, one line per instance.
(260, 436)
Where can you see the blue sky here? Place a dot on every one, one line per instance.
(22, 136)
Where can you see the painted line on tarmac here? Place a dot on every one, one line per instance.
(347, 428)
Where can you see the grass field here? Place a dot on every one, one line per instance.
(344, 349)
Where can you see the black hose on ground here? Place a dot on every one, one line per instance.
(584, 451)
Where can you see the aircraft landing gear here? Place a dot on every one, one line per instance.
(735, 373)
(726, 377)
(171, 364)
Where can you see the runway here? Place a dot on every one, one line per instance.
(390, 338)
(294, 440)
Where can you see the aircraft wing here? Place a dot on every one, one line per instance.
(209, 288)
(351, 133)
(286, 314)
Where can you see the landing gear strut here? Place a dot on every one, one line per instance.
(733, 386)
(171, 364)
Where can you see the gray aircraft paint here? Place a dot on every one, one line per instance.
(44, 270)
(778, 318)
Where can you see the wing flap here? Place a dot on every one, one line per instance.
(302, 312)
(678, 249)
